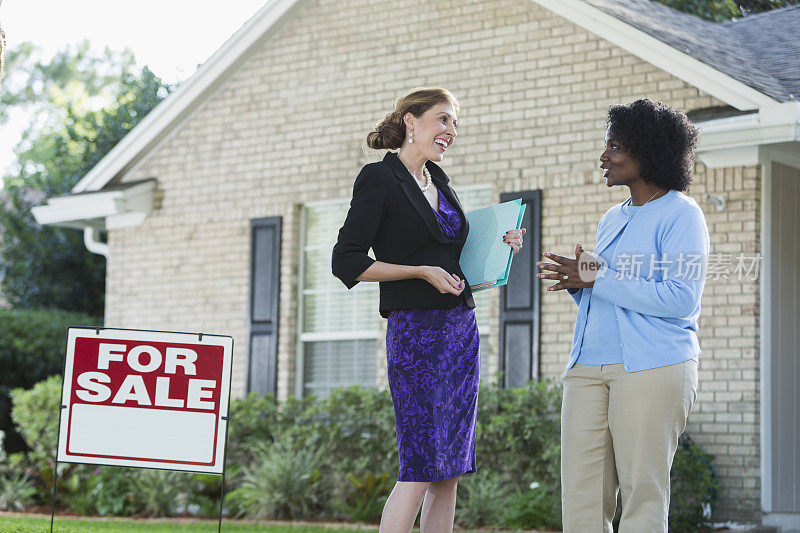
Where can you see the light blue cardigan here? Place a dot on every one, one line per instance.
(658, 305)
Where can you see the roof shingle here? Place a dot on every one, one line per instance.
(761, 51)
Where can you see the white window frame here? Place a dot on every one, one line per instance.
(304, 337)
(367, 334)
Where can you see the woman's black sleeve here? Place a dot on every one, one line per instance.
(350, 259)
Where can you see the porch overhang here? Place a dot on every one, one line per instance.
(125, 206)
(735, 141)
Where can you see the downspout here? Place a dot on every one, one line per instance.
(93, 244)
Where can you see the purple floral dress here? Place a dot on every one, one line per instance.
(434, 364)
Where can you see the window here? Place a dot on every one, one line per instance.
(338, 328)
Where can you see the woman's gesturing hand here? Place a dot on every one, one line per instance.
(565, 271)
(441, 280)
(514, 238)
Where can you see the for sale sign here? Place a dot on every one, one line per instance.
(146, 399)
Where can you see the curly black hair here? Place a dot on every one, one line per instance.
(660, 137)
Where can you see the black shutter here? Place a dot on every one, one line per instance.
(265, 262)
(519, 300)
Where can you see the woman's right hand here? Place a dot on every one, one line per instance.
(441, 280)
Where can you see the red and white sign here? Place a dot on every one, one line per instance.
(145, 398)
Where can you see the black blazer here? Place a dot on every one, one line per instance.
(390, 214)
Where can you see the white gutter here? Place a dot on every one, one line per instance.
(93, 244)
(735, 141)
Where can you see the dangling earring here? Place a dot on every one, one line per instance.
(410, 137)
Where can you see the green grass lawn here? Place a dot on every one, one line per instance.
(70, 525)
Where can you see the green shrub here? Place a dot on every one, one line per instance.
(693, 488)
(35, 415)
(481, 499)
(77, 487)
(17, 490)
(32, 344)
(518, 439)
(367, 495)
(284, 482)
(252, 421)
(160, 492)
(304, 458)
(538, 507)
(519, 433)
(203, 498)
(256, 421)
(355, 426)
(115, 493)
(358, 428)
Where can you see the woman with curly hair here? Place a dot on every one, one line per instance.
(631, 379)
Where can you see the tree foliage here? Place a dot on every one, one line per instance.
(82, 105)
(2, 52)
(31, 349)
(724, 10)
(2, 48)
(39, 84)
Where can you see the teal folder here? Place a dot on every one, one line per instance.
(485, 258)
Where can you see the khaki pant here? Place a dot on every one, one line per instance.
(620, 430)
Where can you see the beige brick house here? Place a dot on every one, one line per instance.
(222, 205)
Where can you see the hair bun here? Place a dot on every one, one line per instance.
(388, 134)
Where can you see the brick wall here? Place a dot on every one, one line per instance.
(288, 129)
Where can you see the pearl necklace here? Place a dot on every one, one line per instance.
(428, 181)
(425, 173)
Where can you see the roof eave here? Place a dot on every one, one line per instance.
(659, 54)
(115, 209)
(210, 76)
(735, 141)
(163, 119)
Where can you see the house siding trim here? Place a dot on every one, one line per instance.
(768, 157)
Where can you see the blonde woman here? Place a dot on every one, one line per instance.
(406, 211)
